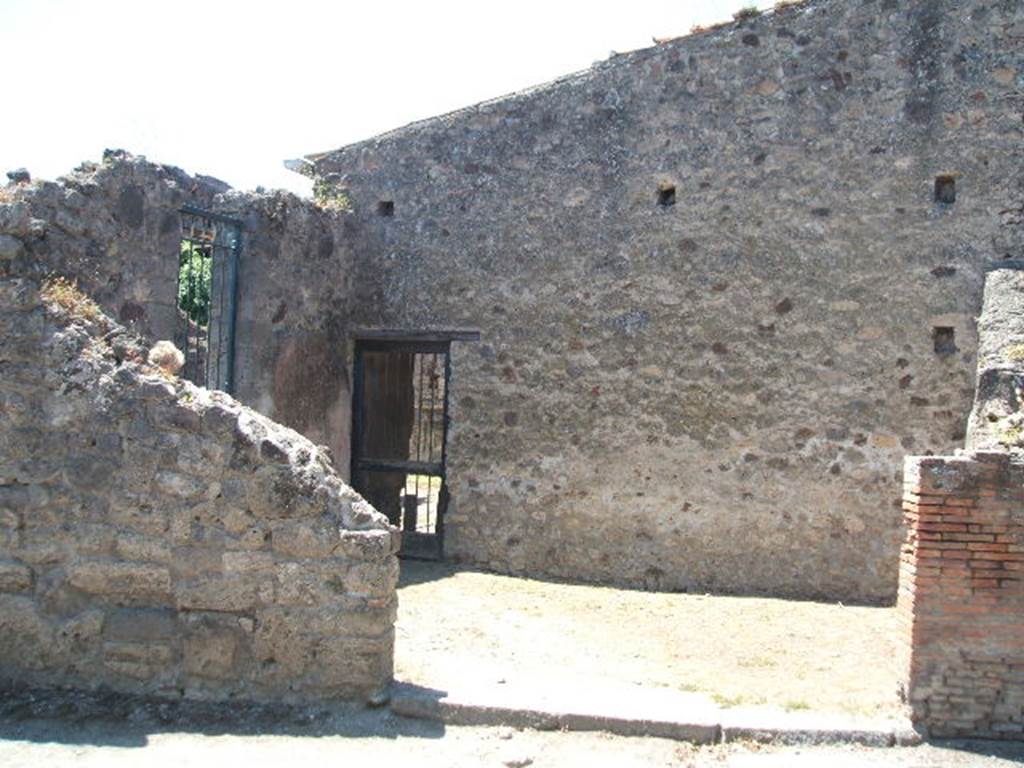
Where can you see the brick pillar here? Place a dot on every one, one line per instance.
(961, 593)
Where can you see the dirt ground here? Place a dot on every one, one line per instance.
(739, 651)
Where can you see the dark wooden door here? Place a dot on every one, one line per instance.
(399, 437)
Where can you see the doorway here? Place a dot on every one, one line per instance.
(399, 436)
(205, 297)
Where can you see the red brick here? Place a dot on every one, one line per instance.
(913, 495)
(958, 501)
(943, 527)
(986, 547)
(955, 568)
(967, 537)
(985, 565)
(1004, 556)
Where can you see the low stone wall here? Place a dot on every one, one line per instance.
(962, 593)
(163, 539)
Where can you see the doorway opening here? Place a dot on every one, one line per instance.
(205, 297)
(399, 436)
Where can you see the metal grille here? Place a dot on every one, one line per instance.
(400, 426)
(206, 292)
(426, 444)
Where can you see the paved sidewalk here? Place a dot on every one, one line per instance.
(564, 703)
(123, 734)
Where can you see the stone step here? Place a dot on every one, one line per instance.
(560, 703)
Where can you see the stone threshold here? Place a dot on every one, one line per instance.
(632, 710)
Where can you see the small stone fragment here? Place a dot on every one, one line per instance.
(167, 357)
(1002, 75)
(10, 247)
(14, 577)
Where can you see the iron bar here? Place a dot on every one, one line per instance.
(229, 362)
(397, 465)
(418, 363)
(415, 338)
(211, 216)
(392, 367)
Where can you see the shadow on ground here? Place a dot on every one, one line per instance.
(416, 572)
(120, 720)
(1006, 750)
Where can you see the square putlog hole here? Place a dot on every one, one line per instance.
(386, 208)
(666, 195)
(945, 189)
(944, 340)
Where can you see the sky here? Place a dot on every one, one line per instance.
(232, 89)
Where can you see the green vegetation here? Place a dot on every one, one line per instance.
(1011, 434)
(195, 282)
(330, 197)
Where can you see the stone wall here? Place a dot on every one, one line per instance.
(997, 419)
(962, 594)
(115, 227)
(160, 538)
(721, 287)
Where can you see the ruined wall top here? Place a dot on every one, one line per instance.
(115, 227)
(161, 538)
(765, 53)
(997, 419)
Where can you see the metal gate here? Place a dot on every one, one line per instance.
(399, 437)
(206, 292)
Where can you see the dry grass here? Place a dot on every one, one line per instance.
(65, 294)
(697, 29)
(736, 651)
(749, 12)
(1015, 353)
(744, 14)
